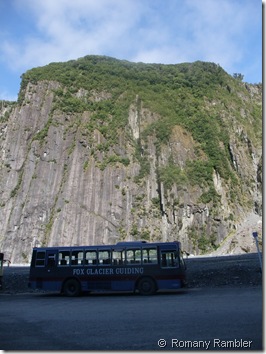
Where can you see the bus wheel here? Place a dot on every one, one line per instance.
(71, 287)
(146, 286)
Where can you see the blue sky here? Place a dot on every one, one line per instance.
(37, 32)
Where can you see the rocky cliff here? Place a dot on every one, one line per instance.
(99, 161)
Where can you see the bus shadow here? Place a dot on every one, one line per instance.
(114, 294)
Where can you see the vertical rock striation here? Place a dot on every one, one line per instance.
(61, 185)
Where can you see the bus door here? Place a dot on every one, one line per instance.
(51, 259)
(169, 259)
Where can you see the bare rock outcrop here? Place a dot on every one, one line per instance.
(62, 184)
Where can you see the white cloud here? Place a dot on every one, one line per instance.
(66, 29)
(137, 30)
(219, 29)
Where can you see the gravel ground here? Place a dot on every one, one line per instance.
(239, 271)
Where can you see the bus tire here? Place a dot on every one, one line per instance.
(71, 288)
(146, 286)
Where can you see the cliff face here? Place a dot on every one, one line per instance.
(63, 183)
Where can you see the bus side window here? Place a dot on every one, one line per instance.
(90, 258)
(149, 255)
(118, 257)
(163, 259)
(77, 257)
(64, 258)
(104, 257)
(40, 259)
(133, 256)
(168, 259)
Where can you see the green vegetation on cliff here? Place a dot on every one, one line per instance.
(200, 97)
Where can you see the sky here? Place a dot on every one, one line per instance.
(37, 32)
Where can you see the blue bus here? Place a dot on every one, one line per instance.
(127, 266)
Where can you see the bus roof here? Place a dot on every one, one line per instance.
(119, 244)
(130, 243)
